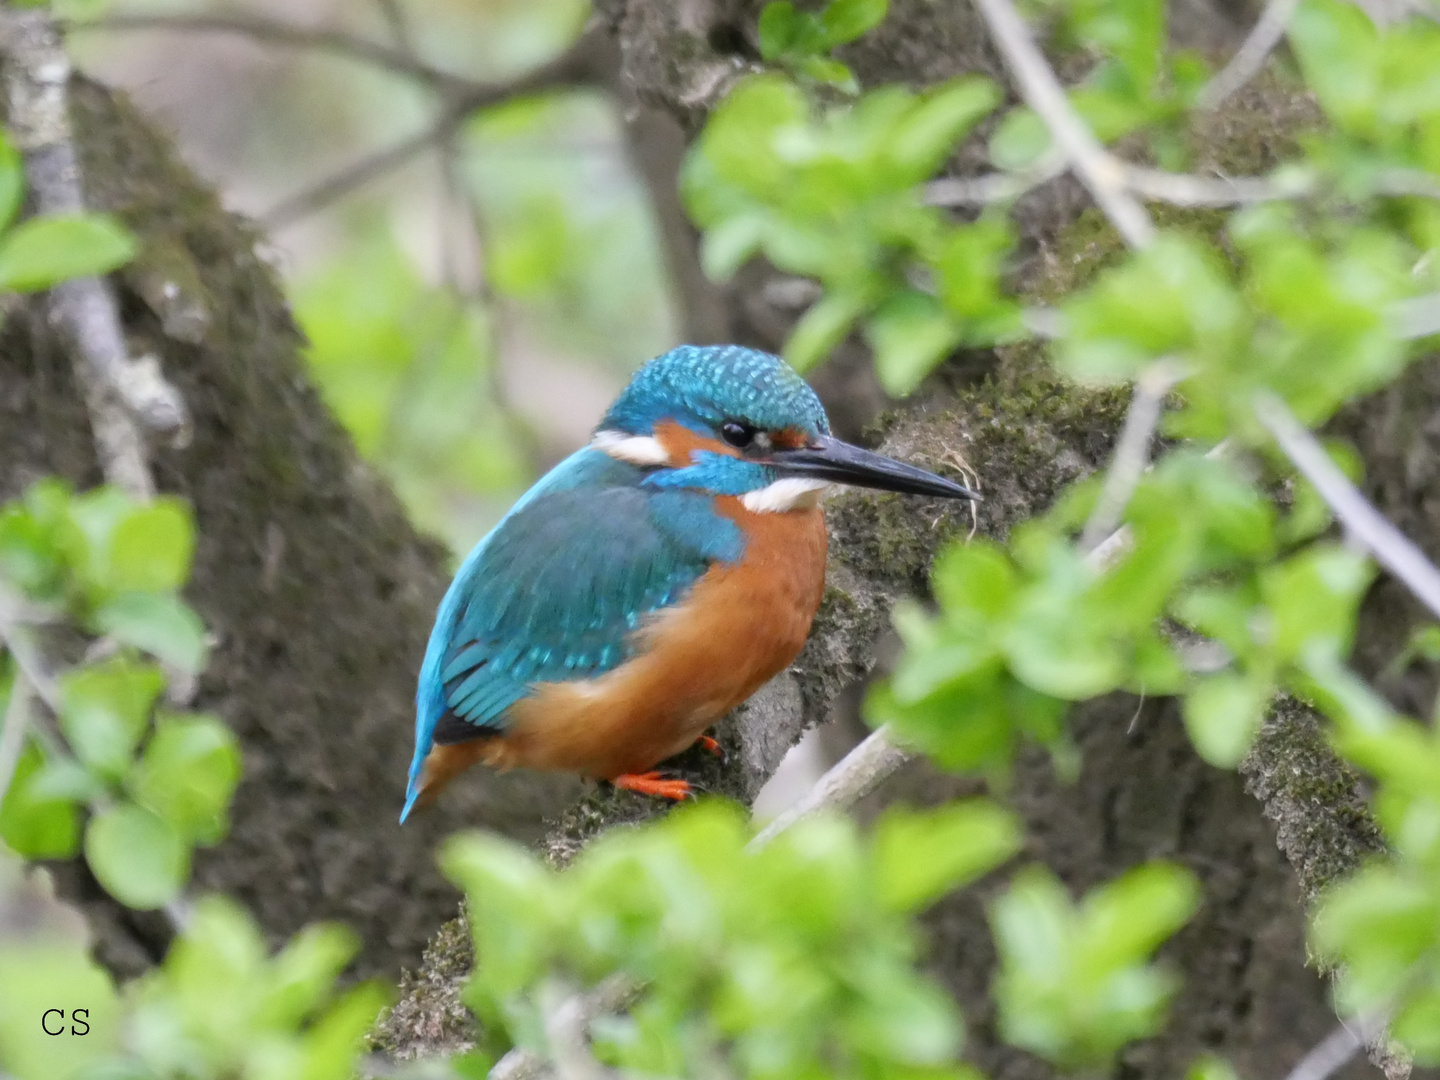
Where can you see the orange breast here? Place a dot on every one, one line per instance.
(739, 626)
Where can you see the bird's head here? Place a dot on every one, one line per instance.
(737, 421)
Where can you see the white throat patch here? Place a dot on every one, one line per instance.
(632, 449)
(791, 493)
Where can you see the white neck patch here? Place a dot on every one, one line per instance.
(791, 493)
(631, 449)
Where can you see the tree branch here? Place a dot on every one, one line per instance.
(1102, 174)
(1132, 451)
(288, 35)
(121, 394)
(1251, 56)
(859, 773)
(1176, 189)
(574, 67)
(1390, 547)
(1334, 1052)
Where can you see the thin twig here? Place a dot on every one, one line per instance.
(574, 67)
(288, 35)
(1181, 189)
(1251, 56)
(1176, 189)
(609, 996)
(1333, 1053)
(995, 187)
(122, 394)
(1390, 547)
(1102, 174)
(1132, 451)
(567, 1025)
(857, 774)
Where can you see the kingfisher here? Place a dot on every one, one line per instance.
(646, 585)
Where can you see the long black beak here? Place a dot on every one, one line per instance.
(841, 463)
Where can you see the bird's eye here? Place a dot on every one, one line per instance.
(737, 434)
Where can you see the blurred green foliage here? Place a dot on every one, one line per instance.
(1074, 985)
(802, 40)
(157, 782)
(794, 960)
(834, 197)
(149, 784)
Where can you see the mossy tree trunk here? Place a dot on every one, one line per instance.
(317, 589)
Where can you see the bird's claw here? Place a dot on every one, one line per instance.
(655, 784)
(706, 742)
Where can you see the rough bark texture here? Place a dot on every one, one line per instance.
(317, 589)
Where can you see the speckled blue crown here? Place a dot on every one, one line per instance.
(701, 386)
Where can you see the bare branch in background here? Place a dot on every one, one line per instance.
(573, 67)
(579, 1011)
(856, 775)
(1102, 174)
(1390, 547)
(995, 187)
(1334, 1052)
(1176, 189)
(1132, 451)
(122, 394)
(1251, 56)
(272, 32)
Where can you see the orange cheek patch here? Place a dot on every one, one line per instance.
(789, 438)
(680, 443)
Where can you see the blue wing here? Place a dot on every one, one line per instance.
(555, 590)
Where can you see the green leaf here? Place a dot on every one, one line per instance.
(822, 328)
(12, 180)
(104, 710)
(29, 555)
(33, 822)
(910, 334)
(1223, 714)
(1340, 53)
(831, 72)
(1020, 140)
(43, 251)
(921, 856)
(846, 20)
(778, 24)
(137, 856)
(1313, 598)
(1211, 1068)
(922, 141)
(305, 970)
(730, 244)
(160, 623)
(188, 775)
(45, 963)
(152, 547)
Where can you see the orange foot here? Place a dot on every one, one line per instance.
(653, 783)
(705, 742)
